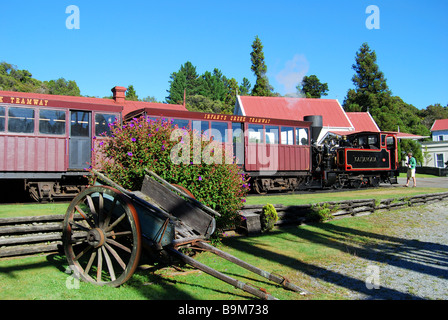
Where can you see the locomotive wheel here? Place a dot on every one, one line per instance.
(101, 235)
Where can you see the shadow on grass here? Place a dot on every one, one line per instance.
(424, 257)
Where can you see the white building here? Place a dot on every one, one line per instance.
(435, 152)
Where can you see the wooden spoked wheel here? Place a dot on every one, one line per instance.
(101, 235)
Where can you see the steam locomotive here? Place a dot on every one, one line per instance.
(353, 160)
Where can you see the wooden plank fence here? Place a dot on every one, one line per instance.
(42, 234)
(298, 214)
(30, 235)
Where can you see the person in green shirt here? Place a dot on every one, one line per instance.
(411, 164)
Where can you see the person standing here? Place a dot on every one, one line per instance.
(411, 164)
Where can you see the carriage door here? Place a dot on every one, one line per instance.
(80, 139)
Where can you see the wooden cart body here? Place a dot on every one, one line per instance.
(107, 224)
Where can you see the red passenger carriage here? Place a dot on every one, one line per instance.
(274, 152)
(46, 141)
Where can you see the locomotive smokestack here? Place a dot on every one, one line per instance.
(316, 126)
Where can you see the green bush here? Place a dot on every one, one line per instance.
(268, 217)
(321, 213)
(179, 156)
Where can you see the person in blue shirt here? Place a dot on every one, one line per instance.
(411, 164)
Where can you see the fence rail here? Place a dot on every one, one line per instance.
(30, 235)
(297, 214)
(41, 234)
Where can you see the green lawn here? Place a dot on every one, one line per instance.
(294, 252)
(32, 209)
(311, 198)
(301, 253)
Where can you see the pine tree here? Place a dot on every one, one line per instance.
(262, 86)
(311, 87)
(185, 79)
(371, 90)
(131, 94)
(244, 88)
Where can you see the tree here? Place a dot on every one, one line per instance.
(311, 87)
(204, 104)
(213, 85)
(371, 90)
(432, 113)
(63, 87)
(262, 86)
(185, 79)
(131, 94)
(244, 88)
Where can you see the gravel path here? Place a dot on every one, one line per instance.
(411, 263)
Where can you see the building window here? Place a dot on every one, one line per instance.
(439, 161)
(21, 120)
(440, 138)
(52, 121)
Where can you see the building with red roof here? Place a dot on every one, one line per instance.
(436, 151)
(334, 119)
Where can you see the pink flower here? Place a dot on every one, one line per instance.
(130, 154)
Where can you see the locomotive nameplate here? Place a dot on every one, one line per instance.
(359, 159)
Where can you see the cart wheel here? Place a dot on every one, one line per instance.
(101, 235)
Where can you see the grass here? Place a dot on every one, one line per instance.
(32, 209)
(301, 253)
(310, 198)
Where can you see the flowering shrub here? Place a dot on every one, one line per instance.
(179, 156)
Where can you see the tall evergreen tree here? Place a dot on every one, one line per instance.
(262, 86)
(372, 94)
(311, 87)
(131, 94)
(244, 88)
(371, 90)
(185, 79)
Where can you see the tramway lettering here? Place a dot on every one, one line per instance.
(25, 101)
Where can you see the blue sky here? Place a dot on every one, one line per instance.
(143, 42)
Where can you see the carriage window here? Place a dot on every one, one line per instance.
(2, 118)
(80, 124)
(181, 123)
(271, 134)
(237, 132)
(302, 136)
(255, 133)
(21, 120)
(287, 135)
(201, 126)
(51, 121)
(102, 122)
(219, 131)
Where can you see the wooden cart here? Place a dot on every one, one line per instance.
(106, 227)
